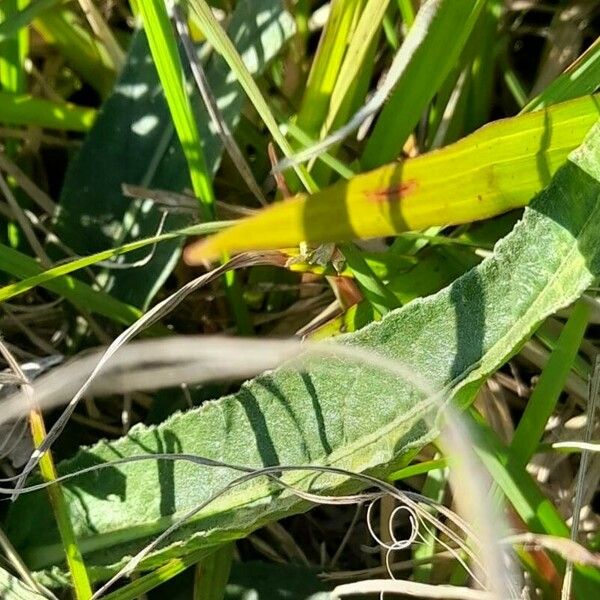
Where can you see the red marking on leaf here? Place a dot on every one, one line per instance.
(395, 192)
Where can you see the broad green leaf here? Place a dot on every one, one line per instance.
(497, 168)
(12, 588)
(133, 142)
(334, 412)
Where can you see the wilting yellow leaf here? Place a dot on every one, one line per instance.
(499, 167)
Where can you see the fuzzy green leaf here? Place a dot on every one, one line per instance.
(335, 412)
(12, 588)
(133, 142)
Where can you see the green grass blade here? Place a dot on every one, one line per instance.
(85, 54)
(375, 291)
(81, 295)
(433, 46)
(326, 64)
(407, 11)
(18, 20)
(163, 47)
(581, 78)
(82, 588)
(434, 488)
(13, 50)
(44, 277)
(537, 511)
(149, 581)
(212, 574)
(220, 41)
(549, 387)
(23, 109)
(354, 60)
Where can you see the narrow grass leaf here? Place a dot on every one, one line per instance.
(326, 65)
(212, 574)
(535, 509)
(366, 31)
(220, 41)
(163, 47)
(432, 46)
(18, 20)
(45, 276)
(581, 78)
(23, 109)
(78, 293)
(548, 389)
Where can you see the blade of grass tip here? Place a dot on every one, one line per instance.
(58, 271)
(212, 574)
(81, 584)
(78, 293)
(163, 47)
(220, 41)
(594, 396)
(542, 402)
(213, 109)
(419, 469)
(513, 83)
(580, 78)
